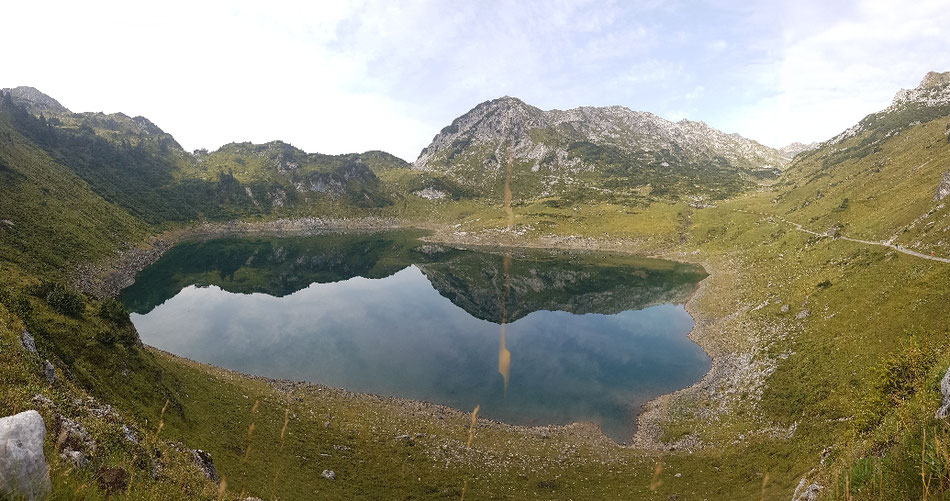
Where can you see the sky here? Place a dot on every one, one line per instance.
(338, 77)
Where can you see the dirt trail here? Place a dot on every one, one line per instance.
(880, 243)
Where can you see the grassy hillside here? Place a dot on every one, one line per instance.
(827, 353)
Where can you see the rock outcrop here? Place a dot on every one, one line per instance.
(806, 492)
(943, 189)
(944, 411)
(934, 90)
(23, 470)
(559, 150)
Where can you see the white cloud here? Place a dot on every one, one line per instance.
(829, 78)
(336, 77)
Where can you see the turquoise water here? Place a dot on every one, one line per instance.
(531, 337)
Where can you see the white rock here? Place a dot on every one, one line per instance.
(944, 409)
(806, 492)
(28, 343)
(23, 469)
(328, 474)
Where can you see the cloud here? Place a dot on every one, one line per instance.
(829, 77)
(369, 74)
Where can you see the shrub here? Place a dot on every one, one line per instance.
(17, 304)
(113, 311)
(898, 378)
(60, 298)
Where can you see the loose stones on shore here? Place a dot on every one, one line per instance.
(23, 470)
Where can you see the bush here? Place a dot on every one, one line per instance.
(113, 311)
(60, 298)
(898, 378)
(17, 304)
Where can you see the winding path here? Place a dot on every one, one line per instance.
(898, 248)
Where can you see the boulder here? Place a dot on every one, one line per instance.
(205, 463)
(28, 343)
(23, 470)
(49, 372)
(806, 492)
(943, 189)
(944, 409)
(71, 438)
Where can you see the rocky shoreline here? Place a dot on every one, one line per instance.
(108, 279)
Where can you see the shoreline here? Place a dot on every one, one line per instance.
(106, 279)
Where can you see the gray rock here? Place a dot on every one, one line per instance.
(328, 474)
(49, 372)
(784, 308)
(76, 458)
(129, 435)
(944, 409)
(806, 492)
(72, 437)
(23, 470)
(41, 400)
(27, 341)
(801, 315)
(943, 189)
(204, 461)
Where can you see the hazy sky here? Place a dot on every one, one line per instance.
(337, 77)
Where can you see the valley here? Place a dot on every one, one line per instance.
(823, 313)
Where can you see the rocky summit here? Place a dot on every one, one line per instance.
(609, 150)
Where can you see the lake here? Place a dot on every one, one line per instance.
(533, 337)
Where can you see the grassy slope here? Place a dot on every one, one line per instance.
(57, 220)
(841, 395)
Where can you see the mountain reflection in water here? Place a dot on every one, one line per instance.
(581, 337)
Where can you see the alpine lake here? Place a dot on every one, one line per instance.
(532, 337)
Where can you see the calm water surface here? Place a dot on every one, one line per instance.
(532, 337)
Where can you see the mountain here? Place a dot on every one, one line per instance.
(609, 152)
(135, 165)
(883, 179)
(789, 151)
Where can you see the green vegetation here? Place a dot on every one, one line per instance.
(829, 351)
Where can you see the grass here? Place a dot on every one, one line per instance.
(833, 349)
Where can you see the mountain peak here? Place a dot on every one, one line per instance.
(558, 151)
(35, 99)
(934, 79)
(934, 90)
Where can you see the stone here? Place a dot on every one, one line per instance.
(129, 435)
(205, 463)
(806, 492)
(72, 437)
(27, 341)
(76, 458)
(943, 189)
(23, 469)
(328, 474)
(49, 372)
(42, 401)
(944, 409)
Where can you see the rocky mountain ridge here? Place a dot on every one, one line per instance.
(636, 148)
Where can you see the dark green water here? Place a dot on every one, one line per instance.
(578, 337)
